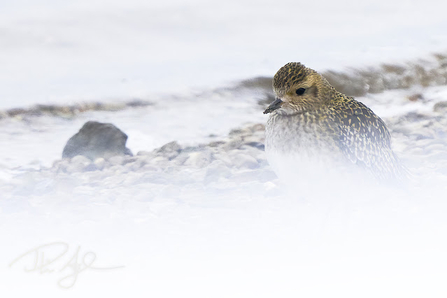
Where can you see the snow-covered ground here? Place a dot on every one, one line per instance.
(214, 221)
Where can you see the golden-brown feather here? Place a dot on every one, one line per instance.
(325, 120)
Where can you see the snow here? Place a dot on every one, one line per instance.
(56, 52)
(229, 228)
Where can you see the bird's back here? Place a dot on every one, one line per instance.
(364, 138)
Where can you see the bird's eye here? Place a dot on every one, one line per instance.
(300, 91)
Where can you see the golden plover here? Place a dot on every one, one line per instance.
(317, 125)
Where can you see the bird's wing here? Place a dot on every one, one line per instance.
(364, 138)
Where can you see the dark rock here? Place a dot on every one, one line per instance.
(127, 152)
(95, 140)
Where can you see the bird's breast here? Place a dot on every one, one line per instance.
(300, 134)
(301, 142)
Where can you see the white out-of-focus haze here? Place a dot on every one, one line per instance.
(59, 52)
(226, 227)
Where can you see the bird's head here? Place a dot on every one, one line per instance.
(298, 89)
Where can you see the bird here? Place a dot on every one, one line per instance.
(314, 129)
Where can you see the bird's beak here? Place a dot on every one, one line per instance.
(274, 105)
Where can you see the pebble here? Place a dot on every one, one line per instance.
(223, 156)
(199, 159)
(116, 160)
(440, 107)
(170, 150)
(137, 164)
(181, 158)
(145, 153)
(78, 164)
(241, 160)
(99, 163)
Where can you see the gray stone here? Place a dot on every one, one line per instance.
(116, 160)
(159, 161)
(145, 153)
(241, 160)
(60, 165)
(79, 159)
(78, 163)
(223, 156)
(137, 164)
(180, 159)
(96, 140)
(169, 150)
(199, 159)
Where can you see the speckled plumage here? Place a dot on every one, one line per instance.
(324, 124)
